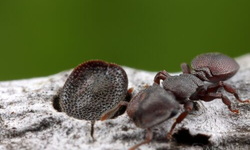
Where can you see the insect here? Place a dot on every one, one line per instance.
(93, 88)
(148, 108)
(214, 68)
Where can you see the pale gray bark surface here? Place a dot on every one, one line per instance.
(29, 121)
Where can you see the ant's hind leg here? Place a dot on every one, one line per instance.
(225, 100)
(162, 75)
(148, 139)
(231, 90)
(188, 106)
(214, 87)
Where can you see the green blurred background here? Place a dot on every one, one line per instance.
(43, 37)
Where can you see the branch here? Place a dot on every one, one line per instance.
(28, 119)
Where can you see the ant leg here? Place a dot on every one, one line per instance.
(122, 109)
(231, 90)
(148, 139)
(225, 100)
(206, 71)
(188, 106)
(203, 73)
(214, 87)
(129, 94)
(92, 129)
(110, 113)
(130, 91)
(201, 76)
(162, 75)
(185, 68)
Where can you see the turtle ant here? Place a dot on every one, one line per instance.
(155, 104)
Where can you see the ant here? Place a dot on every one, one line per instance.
(201, 84)
(155, 104)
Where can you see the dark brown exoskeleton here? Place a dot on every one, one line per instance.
(148, 108)
(93, 88)
(190, 86)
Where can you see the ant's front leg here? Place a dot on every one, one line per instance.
(110, 113)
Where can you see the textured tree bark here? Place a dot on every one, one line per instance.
(28, 119)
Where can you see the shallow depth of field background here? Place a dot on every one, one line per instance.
(43, 37)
